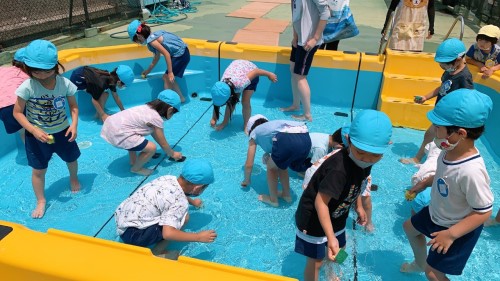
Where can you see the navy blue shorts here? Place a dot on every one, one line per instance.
(316, 251)
(143, 237)
(179, 64)
(291, 150)
(39, 153)
(302, 59)
(453, 262)
(9, 122)
(253, 84)
(78, 79)
(140, 147)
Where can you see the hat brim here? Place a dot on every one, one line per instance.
(436, 120)
(444, 59)
(369, 148)
(39, 65)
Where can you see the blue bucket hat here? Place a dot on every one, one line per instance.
(464, 108)
(132, 28)
(198, 171)
(220, 93)
(41, 54)
(371, 131)
(171, 98)
(450, 50)
(20, 54)
(125, 74)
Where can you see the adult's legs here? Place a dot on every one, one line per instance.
(295, 92)
(173, 86)
(38, 181)
(144, 156)
(429, 136)
(305, 96)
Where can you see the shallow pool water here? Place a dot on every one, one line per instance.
(250, 234)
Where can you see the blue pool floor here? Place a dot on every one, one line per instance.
(250, 234)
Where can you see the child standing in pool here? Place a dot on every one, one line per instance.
(156, 212)
(48, 130)
(96, 82)
(164, 43)
(461, 198)
(450, 56)
(11, 78)
(324, 206)
(241, 76)
(127, 130)
(286, 144)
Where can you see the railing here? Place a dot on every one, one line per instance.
(462, 24)
(386, 35)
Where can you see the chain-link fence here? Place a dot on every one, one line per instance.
(25, 20)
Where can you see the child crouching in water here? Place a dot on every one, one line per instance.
(461, 198)
(286, 144)
(156, 213)
(127, 130)
(241, 76)
(48, 130)
(324, 206)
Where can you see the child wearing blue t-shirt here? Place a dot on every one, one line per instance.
(485, 53)
(461, 198)
(48, 131)
(164, 43)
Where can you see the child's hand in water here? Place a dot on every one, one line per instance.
(197, 202)
(245, 183)
(176, 155)
(207, 236)
(213, 122)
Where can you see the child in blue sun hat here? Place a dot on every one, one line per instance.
(127, 129)
(461, 198)
(240, 77)
(45, 97)
(450, 56)
(97, 82)
(11, 77)
(324, 206)
(157, 211)
(164, 43)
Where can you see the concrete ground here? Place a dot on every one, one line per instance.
(210, 22)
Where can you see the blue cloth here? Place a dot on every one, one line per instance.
(143, 237)
(464, 108)
(422, 200)
(78, 79)
(171, 42)
(139, 147)
(132, 29)
(20, 55)
(371, 131)
(316, 251)
(198, 171)
(41, 54)
(171, 98)
(125, 74)
(179, 64)
(291, 150)
(9, 122)
(264, 133)
(453, 262)
(220, 93)
(39, 153)
(450, 50)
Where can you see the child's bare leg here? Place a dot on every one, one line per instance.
(144, 157)
(367, 206)
(173, 86)
(38, 181)
(296, 98)
(73, 176)
(433, 274)
(311, 272)
(305, 97)
(247, 107)
(272, 183)
(160, 247)
(132, 155)
(428, 137)
(284, 178)
(418, 245)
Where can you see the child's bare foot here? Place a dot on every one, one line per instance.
(290, 108)
(410, 267)
(287, 198)
(75, 185)
(302, 117)
(39, 211)
(369, 228)
(266, 199)
(412, 160)
(142, 172)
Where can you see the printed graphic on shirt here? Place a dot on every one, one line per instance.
(344, 207)
(445, 87)
(442, 187)
(47, 112)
